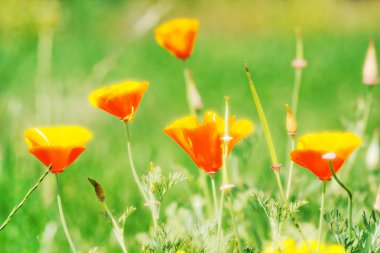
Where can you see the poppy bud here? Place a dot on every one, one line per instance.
(100, 193)
(193, 95)
(291, 122)
(372, 156)
(370, 74)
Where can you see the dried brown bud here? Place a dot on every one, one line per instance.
(291, 121)
(98, 189)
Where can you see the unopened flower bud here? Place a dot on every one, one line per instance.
(372, 156)
(291, 122)
(376, 206)
(194, 97)
(370, 73)
(100, 193)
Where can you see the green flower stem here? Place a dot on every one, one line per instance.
(31, 190)
(291, 166)
(137, 180)
(116, 230)
(62, 216)
(296, 89)
(202, 180)
(363, 127)
(214, 194)
(349, 193)
(188, 81)
(271, 148)
(234, 226)
(321, 216)
(267, 133)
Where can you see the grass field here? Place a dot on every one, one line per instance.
(94, 43)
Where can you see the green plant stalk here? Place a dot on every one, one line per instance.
(188, 81)
(31, 190)
(349, 193)
(214, 194)
(270, 144)
(202, 179)
(291, 166)
(62, 216)
(117, 232)
(234, 225)
(267, 133)
(136, 177)
(321, 216)
(296, 89)
(351, 161)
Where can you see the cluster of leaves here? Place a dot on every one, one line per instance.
(277, 213)
(365, 237)
(165, 242)
(155, 182)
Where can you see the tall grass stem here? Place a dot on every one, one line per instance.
(62, 216)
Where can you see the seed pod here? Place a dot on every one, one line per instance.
(370, 74)
(291, 122)
(100, 193)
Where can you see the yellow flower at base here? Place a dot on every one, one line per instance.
(178, 36)
(288, 246)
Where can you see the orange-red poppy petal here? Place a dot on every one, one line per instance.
(312, 160)
(178, 36)
(121, 99)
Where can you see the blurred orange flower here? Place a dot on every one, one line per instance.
(57, 146)
(203, 142)
(178, 36)
(120, 99)
(312, 147)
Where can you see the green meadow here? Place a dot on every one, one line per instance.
(53, 54)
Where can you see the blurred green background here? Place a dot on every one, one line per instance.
(54, 53)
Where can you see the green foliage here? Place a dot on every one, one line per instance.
(365, 237)
(158, 184)
(277, 213)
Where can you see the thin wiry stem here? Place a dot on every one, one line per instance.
(137, 180)
(116, 230)
(321, 216)
(62, 216)
(349, 193)
(214, 195)
(291, 166)
(31, 190)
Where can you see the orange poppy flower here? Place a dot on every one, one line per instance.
(312, 147)
(120, 99)
(203, 142)
(57, 146)
(178, 36)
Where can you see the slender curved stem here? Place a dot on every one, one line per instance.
(134, 173)
(234, 225)
(31, 190)
(321, 216)
(214, 195)
(349, 193)
(62, 216)
(116, 230)
(137, 180)
(188, 81)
